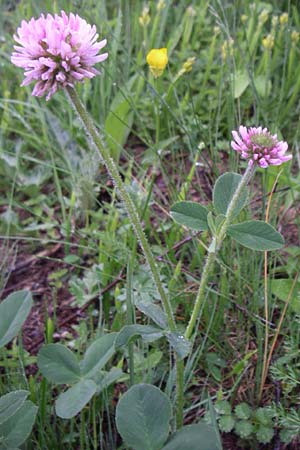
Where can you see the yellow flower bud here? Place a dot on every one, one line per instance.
(188, 65)
(191, 11)
(160, 5)
(295, 37)
(227, 49)
(283, 19)
(263, 17)
(274, 21)
(244, 18)
(157, 60)
(268, 42)
(144, 19)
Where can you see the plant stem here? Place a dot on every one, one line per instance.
(215, 246)
(179, 392)
(97, 141)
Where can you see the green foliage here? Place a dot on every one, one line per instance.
(13, 313)
(256, 235)
(191, 215)
(19, 420)
(224, 190)
(143, 417)
(59, 365)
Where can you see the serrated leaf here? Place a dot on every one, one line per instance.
(97, 355)
(58, 364)
(191, 215)
(74, 399)
(223, 407)
(143, 416)
(11, 403)
(13, 313)
(180, 344)
(17, 428)
(243, 428)
(146, 332)
(199, 436)
(224, 190)
(256, 235)
(154, 312)
(226, 423)
(264, 434)
(243, 411)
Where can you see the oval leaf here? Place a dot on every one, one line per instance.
(58, 364)
(74, 399)
(180, 344)
(13, 313)
(224, 190)
(11, 403)
(153, 311)
(97, 355)
(191, 215)
(142, 417)
(199, 436)
(146, 332)
(257, 235)
(17, 428)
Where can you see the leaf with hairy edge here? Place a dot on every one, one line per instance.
(191, 215)
(224, 190)
(154, 312)
(256, 235)
(180, 344)
(17, 428)
(146, 332)
(11, 403)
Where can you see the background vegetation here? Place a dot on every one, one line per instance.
(65, 236)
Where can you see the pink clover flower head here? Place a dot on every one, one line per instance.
(260, 146)
(56, 52)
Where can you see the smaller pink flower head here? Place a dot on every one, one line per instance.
(56, 52)
(260, 146)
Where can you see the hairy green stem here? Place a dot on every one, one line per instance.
(215, 246)
(97, 141)
(179, 392)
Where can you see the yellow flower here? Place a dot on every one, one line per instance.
(268, 42)
(157, 60)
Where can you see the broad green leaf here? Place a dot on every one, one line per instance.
(257, 235)
(240, 82)
(74, 399)
(180, 344)
(97, 355)
(224, 190)
(13, 313)
(191, 215)
(11, 403)
(58, 364)
(263, 85)
(194, 437)
(153, 311)
(146, 332)
(119, 119)
(143, 415)
(281, 288)
(17, 428)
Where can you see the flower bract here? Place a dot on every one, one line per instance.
(259, 146)
(56, 51)
(157, 60)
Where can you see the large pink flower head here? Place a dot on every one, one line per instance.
(260, 146)
(56, 52)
